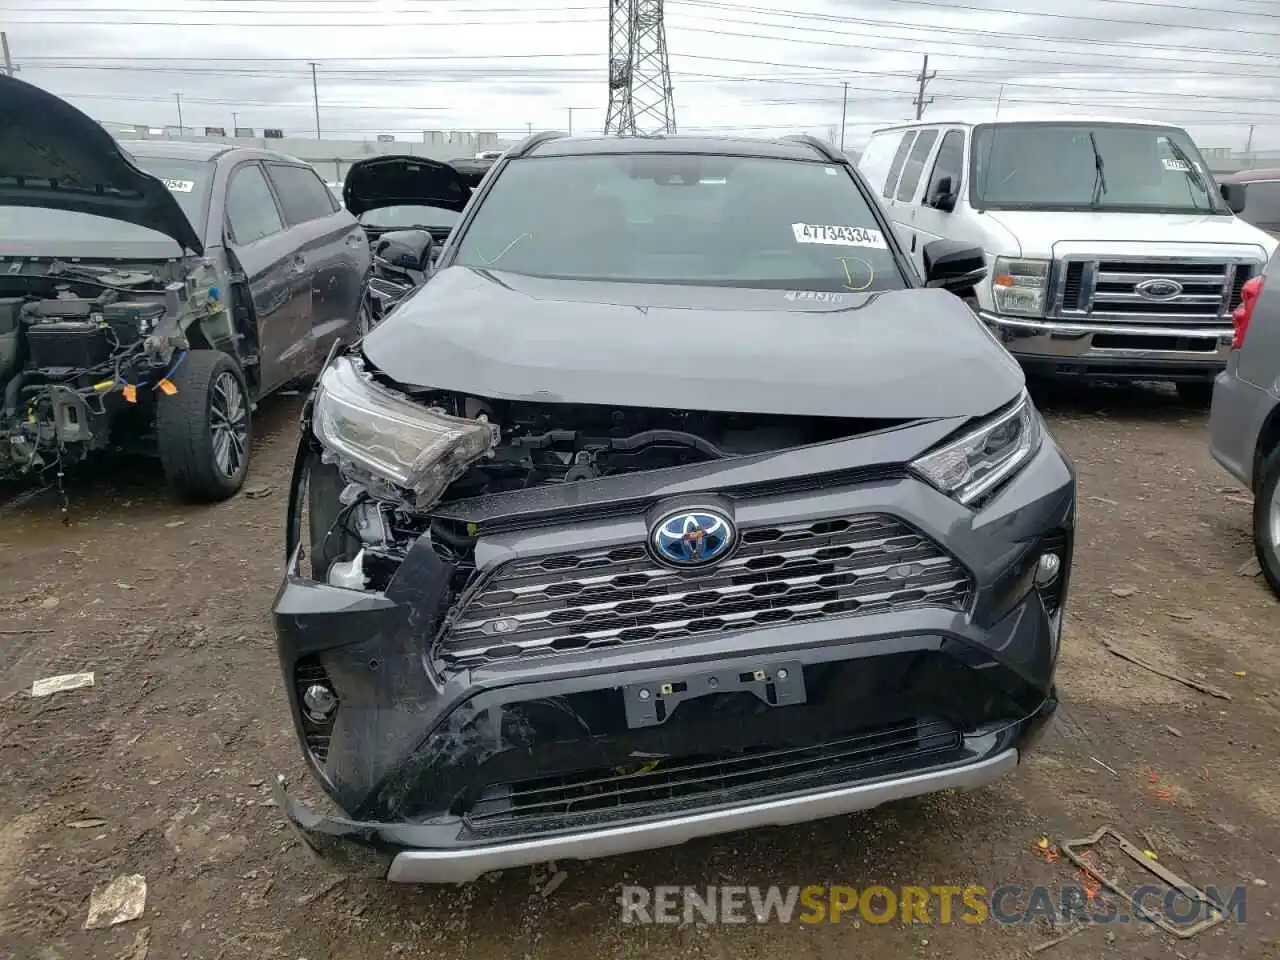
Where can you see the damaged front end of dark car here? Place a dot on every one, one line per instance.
(577, 568)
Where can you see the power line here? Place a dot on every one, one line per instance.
(718, 6)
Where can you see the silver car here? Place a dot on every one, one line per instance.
(1244, 421)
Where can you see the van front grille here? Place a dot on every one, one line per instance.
(1168, 292)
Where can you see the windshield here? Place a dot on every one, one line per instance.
(408, 216)
(1083, 166)
(24, 229)
(686, 219)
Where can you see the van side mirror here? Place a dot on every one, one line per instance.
(943, 195)
(953, 265)
(1234, 195)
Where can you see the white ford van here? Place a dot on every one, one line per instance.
(1112, 251)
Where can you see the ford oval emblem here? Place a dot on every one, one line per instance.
(693, 538)
(1158, 288)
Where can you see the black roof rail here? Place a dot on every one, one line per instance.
(532, 142)
(824, 149)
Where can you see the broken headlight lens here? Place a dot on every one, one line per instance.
(390, 436)
(979, 461)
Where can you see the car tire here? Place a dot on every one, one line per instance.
(1196, 393)
(205, 429)
(1266, 519)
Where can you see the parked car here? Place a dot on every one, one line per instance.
(1262, 197)
(1112, 254)
(407, 205)
(672, 503)
(1244, 420)
(152, 292)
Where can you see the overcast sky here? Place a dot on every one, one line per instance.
(404, 66)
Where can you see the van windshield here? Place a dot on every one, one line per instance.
(1090, 166)
(705, 220)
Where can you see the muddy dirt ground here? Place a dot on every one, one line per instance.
(163, 767)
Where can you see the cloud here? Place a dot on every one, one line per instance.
(404, 66)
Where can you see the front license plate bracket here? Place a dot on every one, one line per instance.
(777, 684)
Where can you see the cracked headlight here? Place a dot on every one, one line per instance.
(979, 461)
(392, 437)
(1018, 286)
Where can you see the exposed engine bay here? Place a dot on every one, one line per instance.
(86, 348)
(361, 527)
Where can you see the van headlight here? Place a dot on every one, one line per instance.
(974, 465)
(1019, 286)
(391, 437)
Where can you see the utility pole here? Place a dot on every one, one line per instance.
(925, 76)
(571, 109)
(844, 110)
(235, 123)
(1248, 144)
(9, 68)
(181, 129)
(529, 126)
(315, 98)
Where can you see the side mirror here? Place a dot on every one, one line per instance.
(406, 250)
(1234, 194)
(942, 196)
(953, 265)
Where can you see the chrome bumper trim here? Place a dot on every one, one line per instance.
(1024, 336)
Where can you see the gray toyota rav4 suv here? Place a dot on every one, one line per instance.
(673, 503)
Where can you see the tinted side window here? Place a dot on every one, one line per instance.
(1262, 204)
(899, 159)
(251, 208)
(302, 193)
(914, 167)
(950, 162)
(875, 160)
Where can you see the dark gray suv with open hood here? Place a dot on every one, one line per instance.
(151, 292)
(673, 503)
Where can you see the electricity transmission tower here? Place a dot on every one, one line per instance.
(640, 99)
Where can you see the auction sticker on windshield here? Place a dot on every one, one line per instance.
(838, 236)
(180, 186)
(1177, 166)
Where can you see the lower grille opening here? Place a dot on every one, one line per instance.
(1115, 341)
(701, 781)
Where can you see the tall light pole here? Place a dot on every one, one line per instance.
(181, 129)
(315, 98)
(844, 112)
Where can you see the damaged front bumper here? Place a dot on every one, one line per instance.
(843, 658)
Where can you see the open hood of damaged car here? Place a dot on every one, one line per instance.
(900, 355)
(392, 181)
(53, 156)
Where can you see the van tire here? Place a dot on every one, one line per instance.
(1195, 393)
(205, 429)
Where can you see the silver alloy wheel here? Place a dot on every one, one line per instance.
(1273, 515)
(229, 422)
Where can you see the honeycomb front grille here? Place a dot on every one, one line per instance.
(784, 573)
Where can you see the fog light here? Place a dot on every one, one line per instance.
(320, 702)
(1047, 569)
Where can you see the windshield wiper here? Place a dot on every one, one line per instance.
(1193, 175)
(1100, 178)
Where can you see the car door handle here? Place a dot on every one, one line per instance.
(299, 264)
(355, 239)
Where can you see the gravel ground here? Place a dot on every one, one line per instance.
(163, 767)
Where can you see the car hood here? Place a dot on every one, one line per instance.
(395, 180)
(53, 156)
(909, 354)
(1039, 233)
